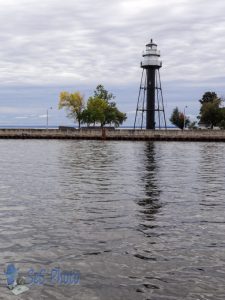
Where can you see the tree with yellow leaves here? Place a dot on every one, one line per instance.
(74, 104)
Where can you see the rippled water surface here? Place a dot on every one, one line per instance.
(139, 220)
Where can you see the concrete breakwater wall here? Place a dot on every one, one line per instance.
(118, 134)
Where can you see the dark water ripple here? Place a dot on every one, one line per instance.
(139, 220)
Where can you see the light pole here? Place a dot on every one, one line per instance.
(47, 117)
(184, 116)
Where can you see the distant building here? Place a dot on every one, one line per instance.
(202, 125)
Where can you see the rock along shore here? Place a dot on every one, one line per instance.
(118, 134)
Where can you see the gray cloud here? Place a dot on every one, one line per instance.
(72, 41)
(82, 43)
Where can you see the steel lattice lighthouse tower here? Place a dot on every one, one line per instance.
(151, 100)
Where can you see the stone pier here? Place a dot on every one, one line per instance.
(118, 134)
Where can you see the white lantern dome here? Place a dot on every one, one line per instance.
(151, 56)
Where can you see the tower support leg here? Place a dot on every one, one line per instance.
(147, 104)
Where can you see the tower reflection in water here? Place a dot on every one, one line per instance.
(151, 202)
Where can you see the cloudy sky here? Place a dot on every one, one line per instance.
(52, 45)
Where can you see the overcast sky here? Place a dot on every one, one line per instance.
(54, 45)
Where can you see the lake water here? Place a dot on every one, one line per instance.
(139, 220)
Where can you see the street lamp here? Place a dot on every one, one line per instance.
(47, 117)
(184, 115)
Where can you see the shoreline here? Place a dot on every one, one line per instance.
(118, 134)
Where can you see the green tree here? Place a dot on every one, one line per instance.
(221, 123)
(112, 113)
(96, 108)
(101, 92)
(86, 117)
(177, 119)
(208, 97)
(100, 111)
(74, 104)
(210, 112)
(114, 116)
